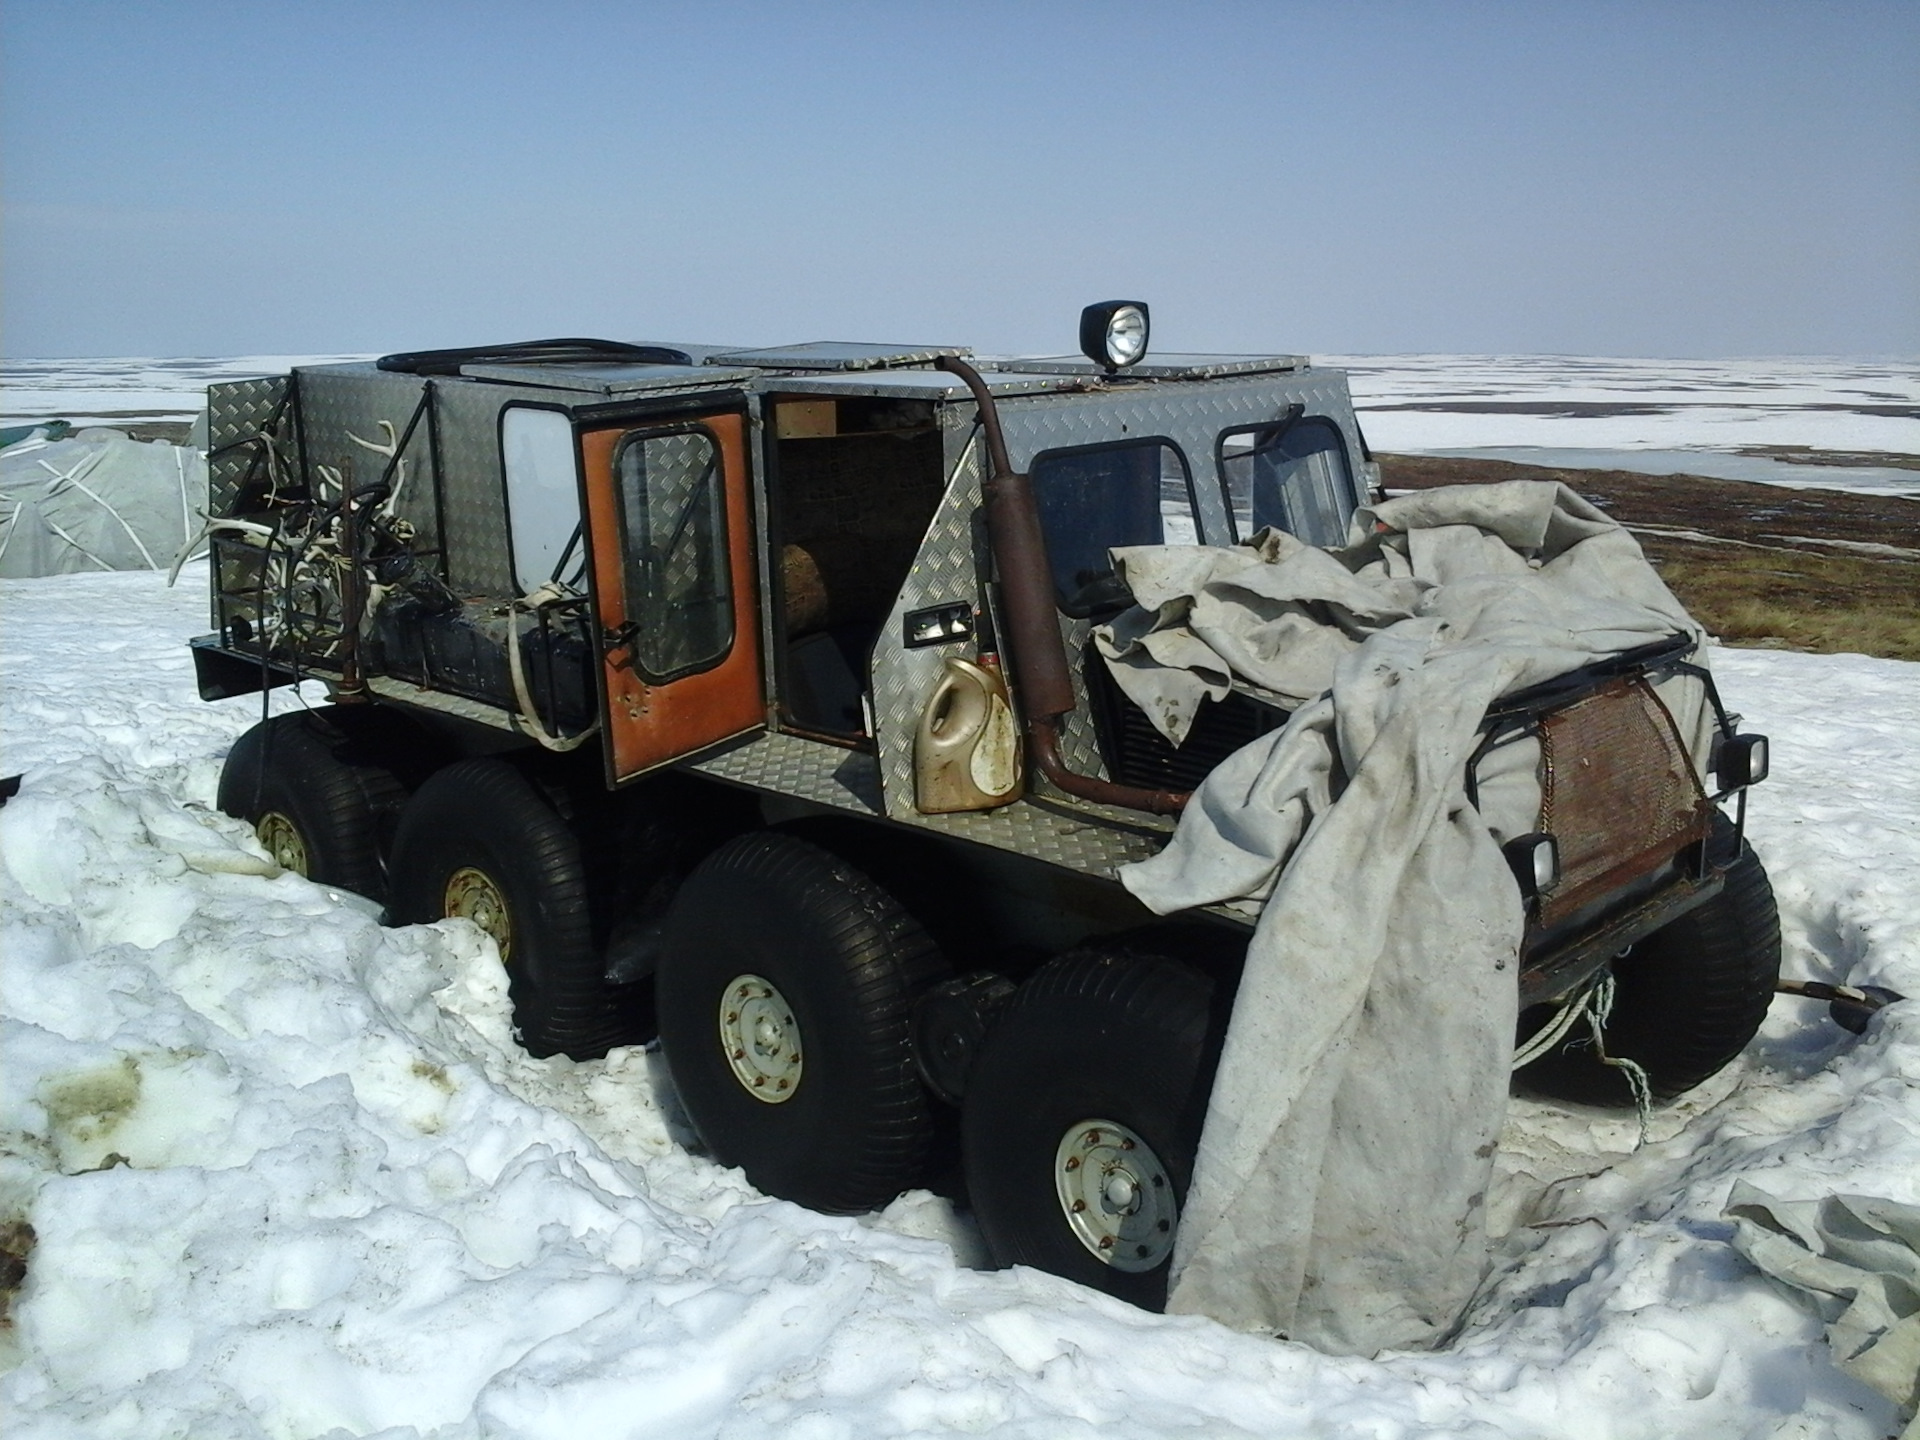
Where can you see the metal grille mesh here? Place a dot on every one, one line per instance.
(1617, 791)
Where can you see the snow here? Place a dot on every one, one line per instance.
(122, 391)
(290, 1177)
(1828, 404)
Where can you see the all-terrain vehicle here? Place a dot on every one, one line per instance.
(748, 695)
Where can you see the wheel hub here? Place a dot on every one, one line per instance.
(472, 895)
(1116, 1195)
(282, 838)
(760, 1038)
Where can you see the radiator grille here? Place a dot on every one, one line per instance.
(1137, 754)
(1617, 791)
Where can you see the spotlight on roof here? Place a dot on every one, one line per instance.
(1114, 333)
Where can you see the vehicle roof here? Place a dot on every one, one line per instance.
(843, 367)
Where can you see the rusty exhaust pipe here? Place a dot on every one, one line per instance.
(1026, 592)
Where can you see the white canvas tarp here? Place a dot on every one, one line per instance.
(97, 501)
(1339, 1192)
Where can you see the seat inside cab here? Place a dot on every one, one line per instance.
(853, 484)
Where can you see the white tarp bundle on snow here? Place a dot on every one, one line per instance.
(1339, 1193)
(97, 501)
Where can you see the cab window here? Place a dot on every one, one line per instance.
(674, 523)
(1096, 498)
(1291, 473)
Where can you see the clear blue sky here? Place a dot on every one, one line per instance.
(1671, 178)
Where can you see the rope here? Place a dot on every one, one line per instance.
(1594, 1005)
(547, 594)
(1554, 1030)
(1598, 1013)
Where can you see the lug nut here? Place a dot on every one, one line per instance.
(1106, 1242)
(1078, 1206)
(1073, 1162)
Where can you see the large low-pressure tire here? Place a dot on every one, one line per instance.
(481, 842)
(1083, 1115)
(321, 797)
(1687, 999)
(785, 987)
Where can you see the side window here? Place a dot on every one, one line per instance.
(1101, 497)
(674, 539)
(1291, 475)
(543, 491)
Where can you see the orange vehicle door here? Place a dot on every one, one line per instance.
(671, 535)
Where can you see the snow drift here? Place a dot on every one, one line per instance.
(289, 1176)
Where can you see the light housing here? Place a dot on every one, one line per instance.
(1742, 760)
(1536, 862)
(1114, 333)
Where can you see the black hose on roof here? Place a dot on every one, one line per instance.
(532, 352)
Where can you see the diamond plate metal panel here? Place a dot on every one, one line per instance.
(473, 500)
(802, 769)
(1189, 413)
(1079, 741)
(1091, 840)
(340, 403)
(238, 411)
(943, 571)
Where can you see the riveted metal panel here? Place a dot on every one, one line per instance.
(239, 411)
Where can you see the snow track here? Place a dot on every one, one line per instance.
(290, 1177)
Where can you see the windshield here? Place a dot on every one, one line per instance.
(1100, 497)
(1292, 474)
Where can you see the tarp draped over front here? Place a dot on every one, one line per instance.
(1339, 1192)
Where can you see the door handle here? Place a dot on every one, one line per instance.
(619, 637)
